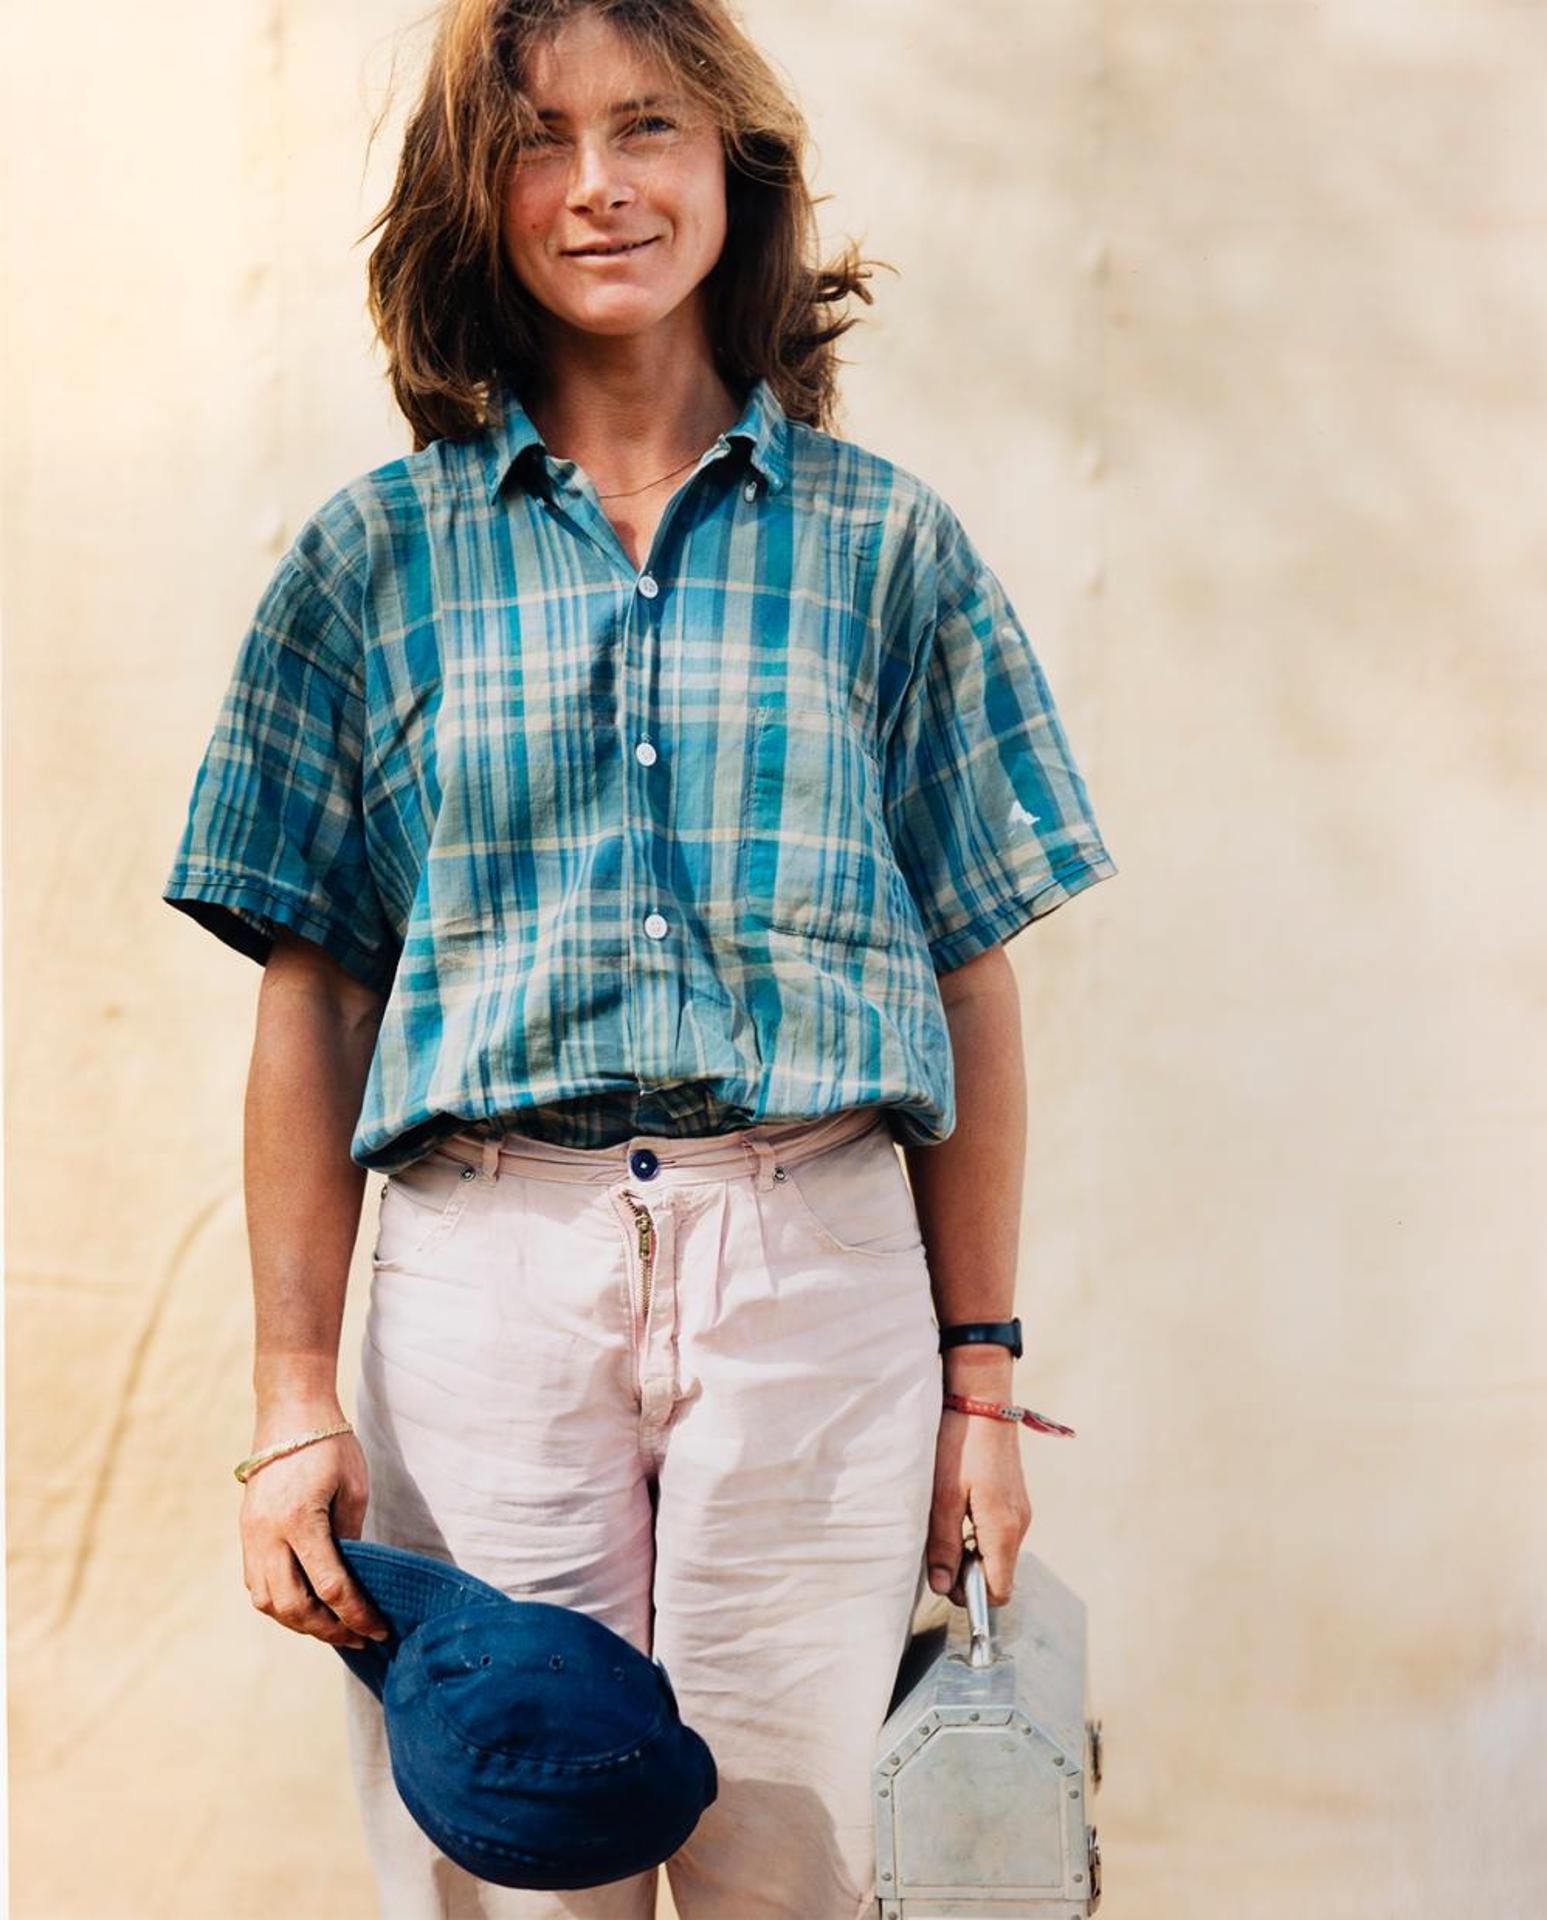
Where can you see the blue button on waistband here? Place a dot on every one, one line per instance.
(643, 1163)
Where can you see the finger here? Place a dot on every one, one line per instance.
(335, 1587)
(1000, 1550)
(943, 1549)
(346, 1513)
(273, 1579)
(291, 1603)
(999, 1572)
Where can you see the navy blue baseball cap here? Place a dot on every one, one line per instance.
(535, 1746)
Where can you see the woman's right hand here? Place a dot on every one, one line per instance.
(290, 1558)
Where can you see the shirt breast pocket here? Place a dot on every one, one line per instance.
(810, 826)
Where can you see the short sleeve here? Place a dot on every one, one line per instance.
(274, 833)
(988, 813)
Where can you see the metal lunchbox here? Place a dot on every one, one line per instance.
(986, 1762)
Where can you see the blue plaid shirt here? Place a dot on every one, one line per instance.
(670, 850)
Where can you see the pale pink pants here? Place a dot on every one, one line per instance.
(737, 1481)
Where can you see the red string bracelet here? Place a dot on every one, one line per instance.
(999, 1410)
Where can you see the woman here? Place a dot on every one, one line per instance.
(629, 793)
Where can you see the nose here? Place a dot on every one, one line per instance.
(594, 181)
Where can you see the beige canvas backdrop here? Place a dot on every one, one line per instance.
(1223, 327)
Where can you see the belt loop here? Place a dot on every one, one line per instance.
(765, 1161)
(491, 1159)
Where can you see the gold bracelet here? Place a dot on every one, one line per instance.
(255, 1460)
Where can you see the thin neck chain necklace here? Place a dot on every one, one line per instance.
(622, 493)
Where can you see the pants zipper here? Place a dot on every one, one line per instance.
(646, 1228)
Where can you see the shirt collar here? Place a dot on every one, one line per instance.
(761, 424)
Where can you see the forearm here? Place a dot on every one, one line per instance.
(967, 1189)
(311, 1055)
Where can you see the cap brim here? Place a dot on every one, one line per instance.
(406, 1588)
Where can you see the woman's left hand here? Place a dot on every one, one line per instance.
(977, 1473)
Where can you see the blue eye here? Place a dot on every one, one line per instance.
(545, 137)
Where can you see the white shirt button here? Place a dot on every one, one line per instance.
(647, 586)
(749, 491)
(655, 925)
(644, 753)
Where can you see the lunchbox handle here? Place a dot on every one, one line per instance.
(981, 1649)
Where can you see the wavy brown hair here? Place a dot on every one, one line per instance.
(455, 320)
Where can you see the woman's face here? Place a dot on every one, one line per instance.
(621, 158)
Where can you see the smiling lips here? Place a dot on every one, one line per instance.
(611, 251)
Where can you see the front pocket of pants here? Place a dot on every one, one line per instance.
(809, 825)
(854, 1198)
(419, 1209)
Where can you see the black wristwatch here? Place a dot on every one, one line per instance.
(999, 1333)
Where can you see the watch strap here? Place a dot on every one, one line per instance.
(1001, 1333)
